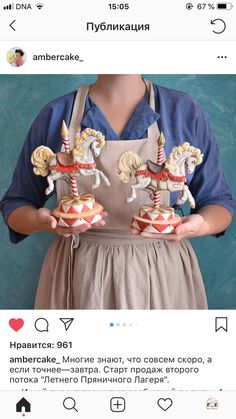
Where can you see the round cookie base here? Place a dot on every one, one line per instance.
(156, 226)
(77, 214)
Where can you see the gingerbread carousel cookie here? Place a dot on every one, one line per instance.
(164, 175)
(79, 208)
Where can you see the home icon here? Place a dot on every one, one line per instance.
(23, 406)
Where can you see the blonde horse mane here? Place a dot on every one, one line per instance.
(81, 138)
(177, 152)
(127, 161)
(40, 159)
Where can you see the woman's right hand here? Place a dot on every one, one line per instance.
(29, 220)
(47, 222)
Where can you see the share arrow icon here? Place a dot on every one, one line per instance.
(67, 322)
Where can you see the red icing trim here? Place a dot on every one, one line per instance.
(72, 168)
(163, 175)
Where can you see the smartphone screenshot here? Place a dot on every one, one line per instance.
(117, 200)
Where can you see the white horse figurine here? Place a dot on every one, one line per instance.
(170, 176)
(79, 162)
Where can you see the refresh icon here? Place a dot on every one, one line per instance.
(221, 25)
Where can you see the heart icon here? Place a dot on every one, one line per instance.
(16, 324)
(164, 404)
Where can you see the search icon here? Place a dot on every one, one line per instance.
(69, 403)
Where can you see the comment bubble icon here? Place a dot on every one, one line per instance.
(41, 325)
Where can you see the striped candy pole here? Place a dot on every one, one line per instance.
(160, 154)
(65, 137)
(74, 186)
(66, 141)
(160, 159)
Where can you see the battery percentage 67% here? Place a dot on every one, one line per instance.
(201, 6)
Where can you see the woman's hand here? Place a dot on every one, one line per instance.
(29, 220)
(47, 222)
(191, 226)
(210, 219)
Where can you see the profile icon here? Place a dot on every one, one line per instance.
(16, 57)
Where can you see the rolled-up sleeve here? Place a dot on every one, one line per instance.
(182, 119)
(209, 185)
(26, 188)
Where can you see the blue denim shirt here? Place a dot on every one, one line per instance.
(178, 116)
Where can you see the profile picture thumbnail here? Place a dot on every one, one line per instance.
(16, 57)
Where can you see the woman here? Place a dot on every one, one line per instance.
(109, 267)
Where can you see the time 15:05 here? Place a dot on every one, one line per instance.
(118, 6)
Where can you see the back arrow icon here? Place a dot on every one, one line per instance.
(12, 24)
(213, 22)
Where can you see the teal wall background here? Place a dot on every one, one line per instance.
(22, 97)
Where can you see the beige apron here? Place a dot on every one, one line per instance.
(108, 267)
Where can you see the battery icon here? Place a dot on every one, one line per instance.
(224, 6)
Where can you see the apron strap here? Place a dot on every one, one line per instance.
(78, 112)
(151, 94)
(153, 130)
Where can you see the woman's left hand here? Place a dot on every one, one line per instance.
(191, 226)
